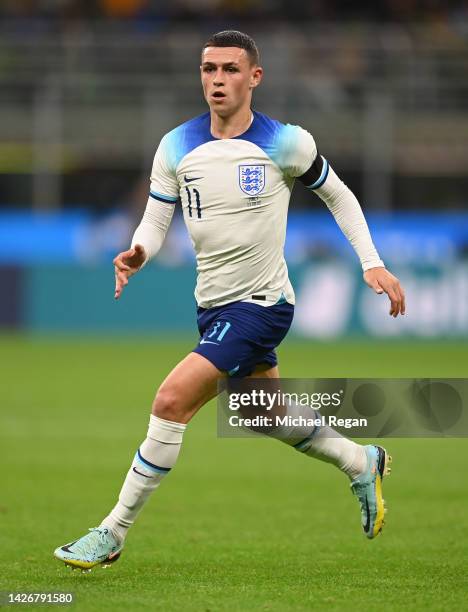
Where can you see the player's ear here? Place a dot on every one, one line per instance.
(256, 76)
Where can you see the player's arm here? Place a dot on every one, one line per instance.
(343, 204)
(151, 232)
(146, 242)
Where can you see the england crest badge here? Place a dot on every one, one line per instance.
(251, 179)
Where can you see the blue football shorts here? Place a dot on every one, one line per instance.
(237, 337)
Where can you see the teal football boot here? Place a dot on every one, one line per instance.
(98, 547)
(368, 489)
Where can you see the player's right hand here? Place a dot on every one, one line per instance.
(127, 264)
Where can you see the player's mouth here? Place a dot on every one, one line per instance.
(218, 95)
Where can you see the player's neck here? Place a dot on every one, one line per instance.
(230, 127)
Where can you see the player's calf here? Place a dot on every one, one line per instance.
(153, 460)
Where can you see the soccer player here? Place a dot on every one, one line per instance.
(232, 169)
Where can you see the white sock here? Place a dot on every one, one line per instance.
(328, 445)
(322, 442)
(153, 460)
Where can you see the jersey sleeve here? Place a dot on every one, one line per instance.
(164, 186)
(297, 150)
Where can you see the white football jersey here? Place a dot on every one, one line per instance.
(235, 195)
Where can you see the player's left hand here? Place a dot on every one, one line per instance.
(381, 280)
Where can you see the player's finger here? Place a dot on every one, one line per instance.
(122, 278)
(397, 307)
(119, 262)
(121, 266)
(377, 288)
(402, 299)
(121, 281)
(124, 255)
(394, 301)
(118, 288)
(124, 272)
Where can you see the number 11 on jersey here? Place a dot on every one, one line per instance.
(190, 198)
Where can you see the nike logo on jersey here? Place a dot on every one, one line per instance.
(202, 341)
(137, 472)
(189, 180)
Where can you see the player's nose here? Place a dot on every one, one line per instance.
(218, 79)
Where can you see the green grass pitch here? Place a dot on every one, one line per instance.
(240, 524)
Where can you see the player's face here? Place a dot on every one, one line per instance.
(228, 79)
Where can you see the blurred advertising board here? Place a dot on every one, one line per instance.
(58, 276)
(332, 301)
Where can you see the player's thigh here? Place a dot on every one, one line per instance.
(191, 384)
(263, 370)
(269, 384)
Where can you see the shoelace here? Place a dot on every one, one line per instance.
(96, 536)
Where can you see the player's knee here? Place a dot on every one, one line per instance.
(167, 405)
